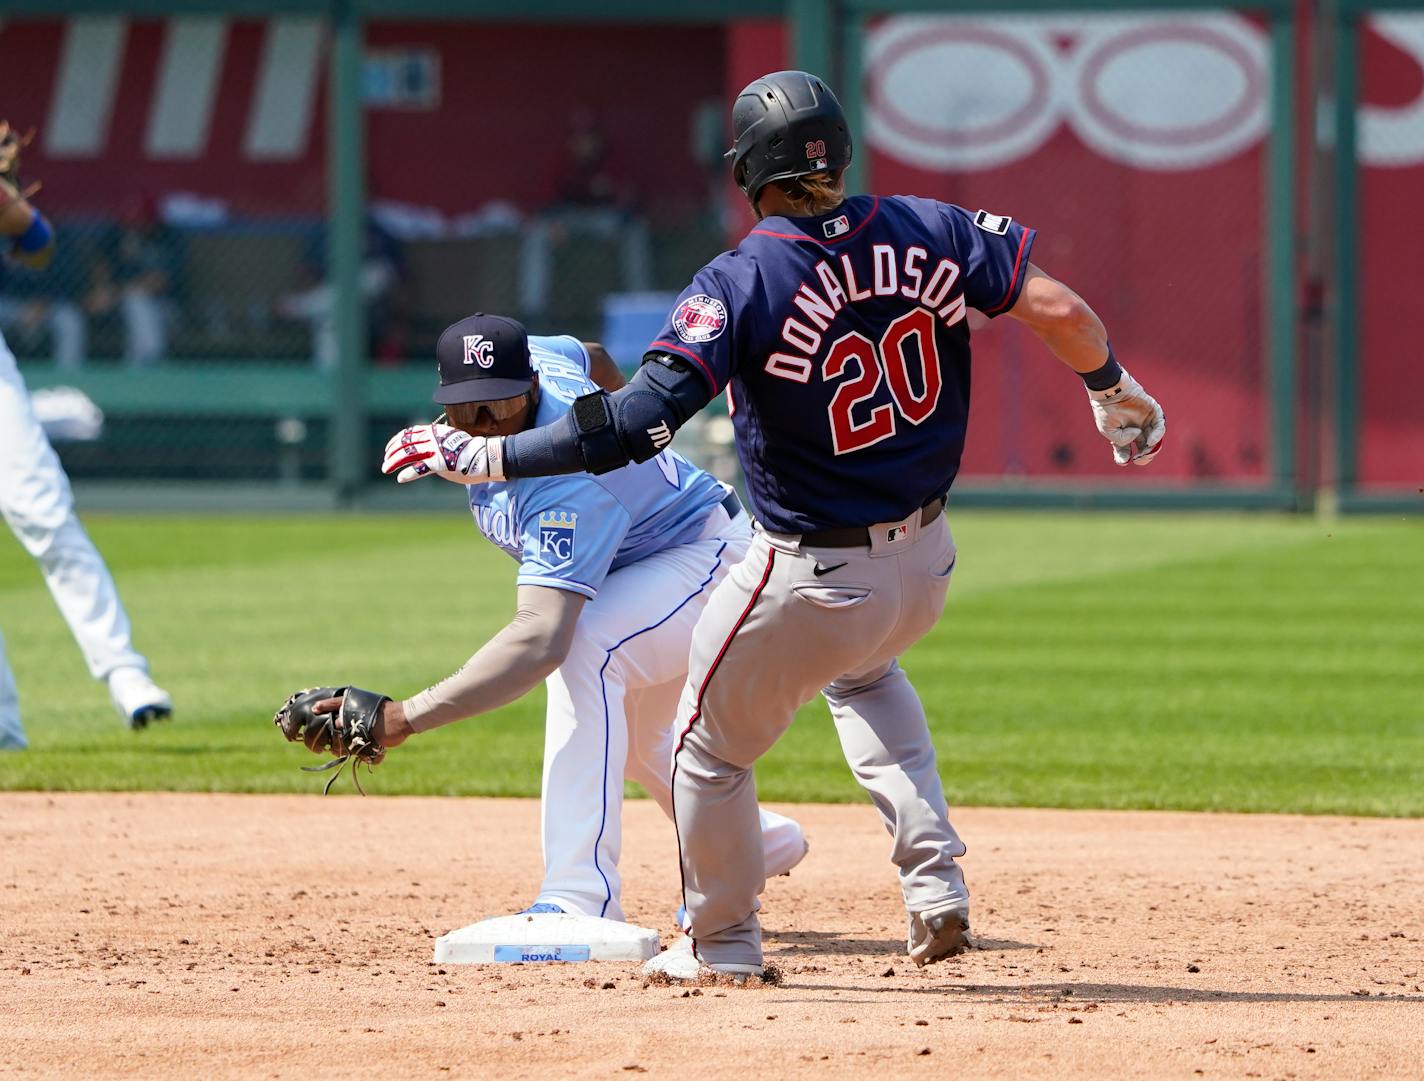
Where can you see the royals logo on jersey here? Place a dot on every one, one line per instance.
(699, 318)
(557, 530)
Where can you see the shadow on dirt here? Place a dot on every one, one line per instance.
(1091, 994)
(800, 944)
(835, 943)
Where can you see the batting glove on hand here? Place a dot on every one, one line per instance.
(442, 451)
(1130, 419)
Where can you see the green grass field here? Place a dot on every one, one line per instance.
(1155, 661)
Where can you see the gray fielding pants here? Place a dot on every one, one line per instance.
(772, 635)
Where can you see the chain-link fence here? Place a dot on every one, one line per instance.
(185, 162)
(1137, 144)
(1386, 430)
(184, 166)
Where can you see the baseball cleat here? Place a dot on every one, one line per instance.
(541, 908)
(137, 698)
(680, 962)
(938, 933)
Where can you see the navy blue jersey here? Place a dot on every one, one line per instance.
(844, 340)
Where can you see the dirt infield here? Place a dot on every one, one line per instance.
(290, 937)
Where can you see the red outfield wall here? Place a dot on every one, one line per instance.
(1134, 144)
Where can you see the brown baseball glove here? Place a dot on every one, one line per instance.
(346, 732)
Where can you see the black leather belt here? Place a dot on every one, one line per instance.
(731, 504)
(859, 536)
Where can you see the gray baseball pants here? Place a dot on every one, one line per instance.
(773, 634)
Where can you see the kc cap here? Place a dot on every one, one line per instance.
(482, 358)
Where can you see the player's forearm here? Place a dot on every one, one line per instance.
(1074, 334)
(504, 669)
(1064, 322)
(551, 450)
(1079, 341)
(607, 431)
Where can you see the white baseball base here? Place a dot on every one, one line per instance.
(543, 937)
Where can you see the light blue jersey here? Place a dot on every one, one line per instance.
(569, 532)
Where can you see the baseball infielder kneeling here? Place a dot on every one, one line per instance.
(614, 572)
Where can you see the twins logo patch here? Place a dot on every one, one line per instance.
(479, 350)
(699, 318)
(556, 536)
(998, 224)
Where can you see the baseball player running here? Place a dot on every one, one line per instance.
(614, 572)
(838, 327)
(38, 506)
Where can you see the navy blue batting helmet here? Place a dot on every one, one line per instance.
(784, 125)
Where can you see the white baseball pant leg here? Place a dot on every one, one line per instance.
(610, 717)
(37, 504)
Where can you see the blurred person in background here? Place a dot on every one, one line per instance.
(133, 277)
(38, 505)
(315, 303)
(31, 304)
(590, 200)
(33, 308)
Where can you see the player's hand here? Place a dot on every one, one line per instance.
(442, 451)
(391, 728)
(1130, 419)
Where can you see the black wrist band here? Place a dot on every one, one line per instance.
(1104, 377)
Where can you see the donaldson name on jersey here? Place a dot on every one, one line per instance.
(845, 335)
(569, 532)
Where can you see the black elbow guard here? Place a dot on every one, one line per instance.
(676, 382)
(592, 418)
(638, 421)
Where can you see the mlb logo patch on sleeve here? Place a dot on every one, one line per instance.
(557, 529)
(997, 224)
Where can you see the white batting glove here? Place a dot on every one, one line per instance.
(1130, 419)
(442, 451)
